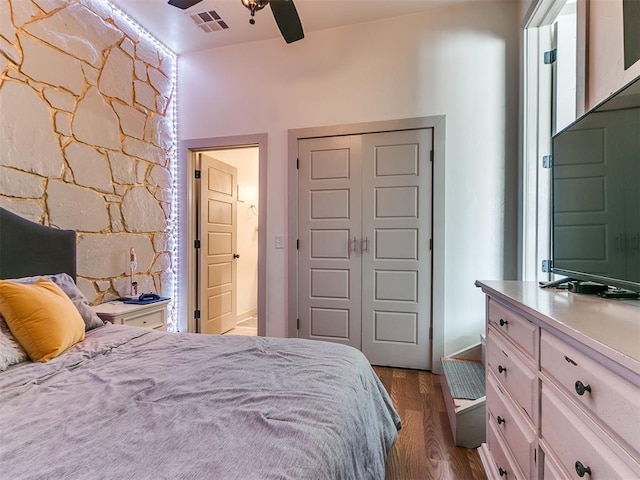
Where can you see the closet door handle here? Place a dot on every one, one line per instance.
(354, 245)
(364, 245)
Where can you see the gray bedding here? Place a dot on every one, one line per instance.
(129, 403)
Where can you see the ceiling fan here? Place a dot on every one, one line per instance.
(284, 12)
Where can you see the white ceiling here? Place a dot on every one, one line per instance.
(176, 29)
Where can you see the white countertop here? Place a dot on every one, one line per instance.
(608, 326)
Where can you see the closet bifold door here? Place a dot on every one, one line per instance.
(329, 233)
(364, 228)
(396, 258)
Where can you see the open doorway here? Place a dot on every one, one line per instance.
(247, 156)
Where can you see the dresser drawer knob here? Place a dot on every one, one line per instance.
(500, 420)
(581, 388)
(502, 471)
(503, 322)
(502, 369)
(581, 470)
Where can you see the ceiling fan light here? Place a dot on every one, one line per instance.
(255, 5)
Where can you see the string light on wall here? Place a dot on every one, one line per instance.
(170, 280)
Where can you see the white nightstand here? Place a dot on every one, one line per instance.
(153, 315)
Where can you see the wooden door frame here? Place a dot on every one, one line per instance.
(437, 123)
(188, 152)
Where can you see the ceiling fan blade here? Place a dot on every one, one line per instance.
(286, 15)
(183, 4)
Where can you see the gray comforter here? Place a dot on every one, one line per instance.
(131, 403)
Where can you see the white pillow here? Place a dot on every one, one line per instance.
(10, 350)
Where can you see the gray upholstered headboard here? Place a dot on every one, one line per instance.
(27, 248)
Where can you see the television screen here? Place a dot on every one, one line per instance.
(596, 194)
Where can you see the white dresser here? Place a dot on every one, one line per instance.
(152, 315)
(563, 384)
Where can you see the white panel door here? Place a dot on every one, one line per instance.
(218, 246)
(396, 256)
(364, 262)
(329, 226)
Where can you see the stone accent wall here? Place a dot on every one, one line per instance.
(87, 137)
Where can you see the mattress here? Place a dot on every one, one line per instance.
(140, 404)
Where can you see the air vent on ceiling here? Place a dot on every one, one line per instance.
(208, 21)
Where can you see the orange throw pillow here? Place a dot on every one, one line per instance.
(41, 317)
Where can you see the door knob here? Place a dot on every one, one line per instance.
(235, 255)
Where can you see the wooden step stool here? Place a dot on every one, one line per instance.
(466, 416)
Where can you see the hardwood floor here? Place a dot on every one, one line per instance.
(425, 448)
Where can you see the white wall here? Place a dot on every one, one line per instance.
(246, 161)
(606, 73)
(458, 61)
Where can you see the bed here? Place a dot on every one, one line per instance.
(127, 402)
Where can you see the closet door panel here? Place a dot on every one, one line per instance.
(329, 224)
(396, 259)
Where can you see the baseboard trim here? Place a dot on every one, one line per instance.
(249, 313)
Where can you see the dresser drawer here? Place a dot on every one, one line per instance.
(149, 316)
(504, 462)
(518, 329)
(517, 375)
(511, 424)
(611, 398)
(578, 443)
(148, 320)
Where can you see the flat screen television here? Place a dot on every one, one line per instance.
(596, 194)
